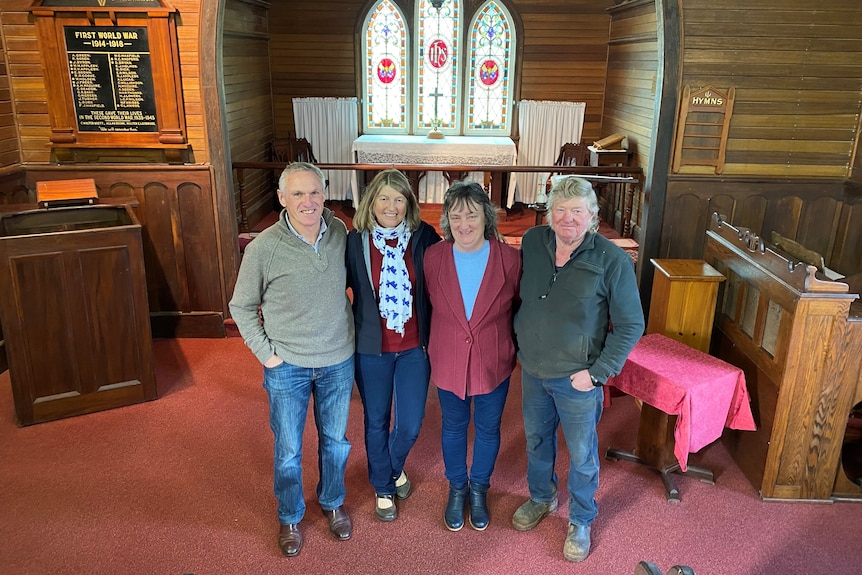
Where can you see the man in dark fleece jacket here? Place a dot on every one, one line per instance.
(580, 317)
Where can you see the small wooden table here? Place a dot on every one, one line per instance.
(688, 398)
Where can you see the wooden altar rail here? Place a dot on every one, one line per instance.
(620, 189)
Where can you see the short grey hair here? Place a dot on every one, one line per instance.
(568, 187)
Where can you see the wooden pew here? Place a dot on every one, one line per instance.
(789, 330)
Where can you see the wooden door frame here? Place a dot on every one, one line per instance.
(212, 99)
(669, 35)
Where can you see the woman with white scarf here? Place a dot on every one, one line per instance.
(385, 252)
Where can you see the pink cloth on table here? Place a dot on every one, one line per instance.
(705, 392)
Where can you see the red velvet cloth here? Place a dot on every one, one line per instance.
(705, 392)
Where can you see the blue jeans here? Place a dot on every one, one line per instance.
(487, 414)
(289, 388)
(400, 378)
(548, 403)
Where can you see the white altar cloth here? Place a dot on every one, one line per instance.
(451, 150)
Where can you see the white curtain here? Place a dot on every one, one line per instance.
(330, 125)
(544, 127)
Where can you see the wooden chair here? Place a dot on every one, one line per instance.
(573, 155)
(292, 150)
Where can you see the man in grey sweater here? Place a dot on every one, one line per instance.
(291, 307)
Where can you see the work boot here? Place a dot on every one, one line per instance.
(577, 546)
(530, 513)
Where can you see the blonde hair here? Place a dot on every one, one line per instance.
(364, 219)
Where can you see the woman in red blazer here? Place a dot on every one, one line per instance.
(472, 280)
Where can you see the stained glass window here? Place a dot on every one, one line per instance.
(438, 55)
(386, 69)
(489, 101)
(433, 85)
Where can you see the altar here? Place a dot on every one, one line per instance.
(451, 150)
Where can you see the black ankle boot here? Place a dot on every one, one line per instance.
(478, 507)
(454, 515)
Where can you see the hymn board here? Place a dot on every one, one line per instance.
(112, 79)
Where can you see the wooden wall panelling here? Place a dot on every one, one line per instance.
(27, 83)
(182, 252)
(189, 31)
(13, 190)
(630, 89)
(167, 285)
(312, 53)
(9, 149)
(818, 223)
(816, 213)
(688, 219)
(797, 71)
(248, 100)
(13, 186)
(565, 55)
(724, 205)
(4, 364)
(752, 209)
(200, 264)
(846, 253)
(782, 217)
(856, 160)
(27, 86)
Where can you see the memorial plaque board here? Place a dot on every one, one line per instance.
(111, 78)
(112, 75)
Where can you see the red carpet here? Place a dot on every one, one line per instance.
(183, 484)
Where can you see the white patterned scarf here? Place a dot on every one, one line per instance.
(396, 292)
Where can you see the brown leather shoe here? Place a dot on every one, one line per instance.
(339, 523)
(290, 539)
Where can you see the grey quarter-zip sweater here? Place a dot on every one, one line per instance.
(305, 315)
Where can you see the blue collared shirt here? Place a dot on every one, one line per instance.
(316, 244)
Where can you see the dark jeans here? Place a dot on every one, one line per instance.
(487, 413)
(399, 378)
